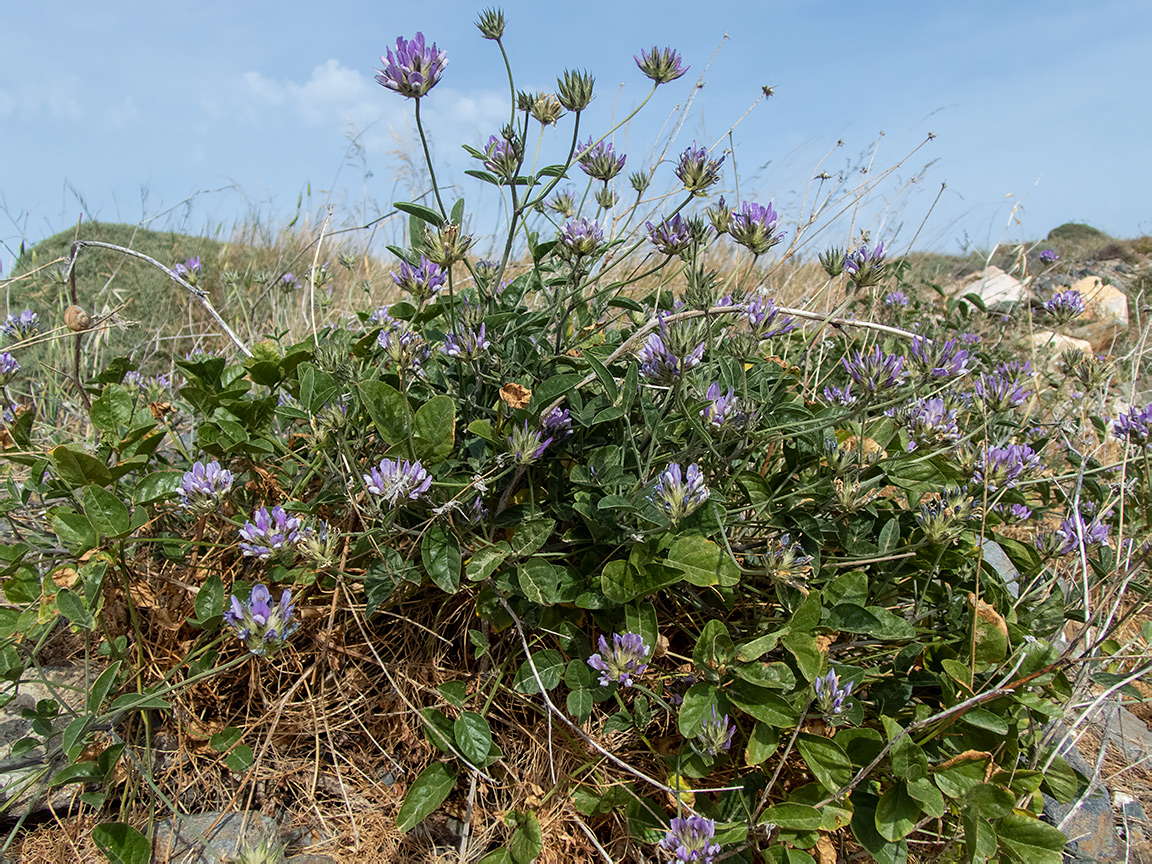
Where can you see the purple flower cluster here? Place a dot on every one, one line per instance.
(830, 695)
(8, 368)
(672, 236)
(467, 344)
(716, 734)
(1014, 512)
(679, 493)
(580, 237)
(264, 628)
(289, 282)
(659, 365)
(422, 281)
(527, 444)
(1136, 426)
(270, 533)
(762, 314)
(865, 267)
(875, 371)
(500, 157)
(393, 481)
(895, 300)
(662, 65)
(1003, 388)
(1065, 305)
(931, 422)
(697, 172)
(404, 348)
(1049, 256)
(690, 839)
(1003, 467)
(189, 270)
(840, 396)
(939, 359)
(1074, 533)
(557, 423)
(413, 69)
(754, 227)
(600, 162)
(722, 410)
(204, 487)
(785, 560)
(22, 326)
(625, 659)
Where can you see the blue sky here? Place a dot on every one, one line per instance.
(124, 109)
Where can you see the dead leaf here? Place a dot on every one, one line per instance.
(825, 850)
(160, 410)
(515, 396)
(65, 577)
(143, 595)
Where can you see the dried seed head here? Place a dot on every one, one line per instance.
(77, 319)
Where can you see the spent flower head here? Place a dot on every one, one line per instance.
(574, 89)
(833, 261)
(318, 545)
(620, 662)
(785, 561)
(394, 481)
(491, 23)
(679, 493)
(526, 444)
(661, 65)
(754, 227)
(263, 627)
(696, 171)
(270, 533)
(413, 69)
(204, 487)
(944, 518)
(691, 839)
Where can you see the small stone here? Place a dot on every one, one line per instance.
(1055, 344)
(1105, 318)
(993, 286)
(206, 838)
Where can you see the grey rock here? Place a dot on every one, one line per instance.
(1091, 828)
(208, 838)
(1125, 731)
(309, 858)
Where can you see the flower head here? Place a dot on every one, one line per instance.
(393, 481)
(422, 281)
(1049, 256)
(754, 227)
(204, 487)
(830, 695)
(875, 371)
(865, 267)
(557, 422)
(1002, 467)
(762, 314)
(1003, 388)
(413, 69)
(1136, 426)
(659, 364)
(8, 367)
(722, 409)
(1076, 533)
(289, 282)
(1065, 305)
(404, 348)
(527, 444)
(840, 396)
(944, 518)
(579, 238)
(938, 359)
(931, 422)
(622, 661)
(697, 172)
(491, 24)
(270, 533)
(600, 162)
(563, 203)
(662, 65)
(545, 108)
(466, 344)
(189, 270)
(574, 89)
(672, 236)
(22, 326)
(690, 839)
(895, 300)
(786, 562)
(679, 493)
(263, 627)
(833, 261)
(716, 734)
(501, 157)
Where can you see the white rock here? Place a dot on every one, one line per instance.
(993, 286)
(1106, 314)
(1052, 345)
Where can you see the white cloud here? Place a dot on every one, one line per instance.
(53, 99)
(121, 115)
(334, 94)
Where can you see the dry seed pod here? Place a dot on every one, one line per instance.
(77, 319)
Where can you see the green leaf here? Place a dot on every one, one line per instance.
(889, 535)
(702, 562)
(849, 587)
(435, 429)
(72, 607)
(387, 408)
(762, 743)
(979, 839)
(1027, 839)
(441, 556)
(539, 580)
(426, 793)
(226, 739)
(580, 704)
(864, 827)
(79, 468)
(697, 705)
(908, 760)
(897, 813)
(1060, 781)
(156, 486)
(958, 778)
(438, 729)
(792, 817)
(484, 562)
(931, 801)
(604, 377)
(106, 513)
(990, 801)
(982, 718)
(622, 582)
(558, 385)
(209, 601)
(808, 656)
(762, 704)
(102, 686)
(240, 759)
(714, 647)
(122, 844)
(73, 530)
(527, 842)
(549, 665)
(112, 409)
(432, 217)
(777, 675)
(826, 760)
(497, 856)
(473, 736)
(75, 733)
(530, 536)
(139, 702)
